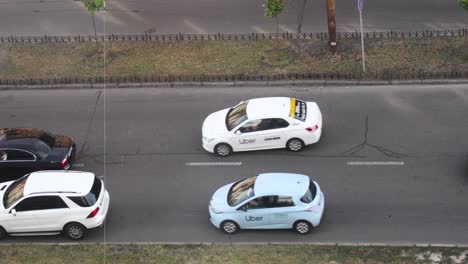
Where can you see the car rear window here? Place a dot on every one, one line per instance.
(310, 194)
(91, 198)
(298, 109)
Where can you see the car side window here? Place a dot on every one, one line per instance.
(259, 203)
(16, 155)
(251, 126)
(40, 203)
(280, 123)
(283, 201)
(3, 155)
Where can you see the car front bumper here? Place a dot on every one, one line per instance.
(215, 219)
(208, 146)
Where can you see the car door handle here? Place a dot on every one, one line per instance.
(272, 138)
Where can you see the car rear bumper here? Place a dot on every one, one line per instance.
(315, 221)
(314, 137)
(100, 218)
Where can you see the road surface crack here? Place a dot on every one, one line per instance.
(387, 152)
(84, 146)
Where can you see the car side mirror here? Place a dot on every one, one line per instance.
(238, 132)
(13, 211)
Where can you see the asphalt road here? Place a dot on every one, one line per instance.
(151, 135)
(68, 17)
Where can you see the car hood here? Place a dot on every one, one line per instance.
(215, 124)
(220, 197)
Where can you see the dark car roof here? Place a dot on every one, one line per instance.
(23, 138)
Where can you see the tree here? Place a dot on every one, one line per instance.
(93, 6)
(273, 9)
(463, 4)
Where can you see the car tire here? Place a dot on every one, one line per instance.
(3, 233)
(295, 145)
(75, 231)
(229, 227)
(223, 149)
(302, 227)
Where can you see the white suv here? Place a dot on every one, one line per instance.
(52, 202)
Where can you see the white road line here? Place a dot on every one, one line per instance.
(213, 164)
(378, 163)
(286, 29)
(127, 11)
(259, 29)
(195, 27)
(399, 103)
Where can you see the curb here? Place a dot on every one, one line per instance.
(330, 244)
(298, 83)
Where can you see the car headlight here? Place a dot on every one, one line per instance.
(206, 139)
(215, 210)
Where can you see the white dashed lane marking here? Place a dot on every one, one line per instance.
(213, 164)
(375, 163)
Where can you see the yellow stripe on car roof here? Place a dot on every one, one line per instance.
(292, 111)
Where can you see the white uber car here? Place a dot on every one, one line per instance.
(263, 123)
(268, 201)
(53, 202)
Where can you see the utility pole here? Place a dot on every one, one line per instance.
(360, 8)
(331, 25)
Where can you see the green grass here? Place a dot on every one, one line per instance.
(194, 254)
(229, 57)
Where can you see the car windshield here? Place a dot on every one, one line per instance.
(14, 192)
(236, 115)
(91, 198)
(241, 191)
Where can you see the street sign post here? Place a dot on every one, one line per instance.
(360, 8)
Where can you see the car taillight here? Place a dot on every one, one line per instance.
(93, 213)
(65, 162)
(312, 129)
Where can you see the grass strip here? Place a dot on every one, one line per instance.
(131, 58)
(227, 253)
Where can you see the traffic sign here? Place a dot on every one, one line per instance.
(360, 5)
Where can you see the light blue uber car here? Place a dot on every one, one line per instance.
(268, 201)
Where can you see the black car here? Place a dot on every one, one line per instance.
(24, 150)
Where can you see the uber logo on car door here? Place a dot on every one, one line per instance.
(246, 141)
(251, 218)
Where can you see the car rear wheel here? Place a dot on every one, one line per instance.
(3, 233)
(229, 227)
(295, 145)
(302, 227)
(223, 150)
(75, 231)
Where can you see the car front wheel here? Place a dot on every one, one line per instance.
(295, 145)
(302, 227)
(229, 227)
(75, 231)
(223, 150)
